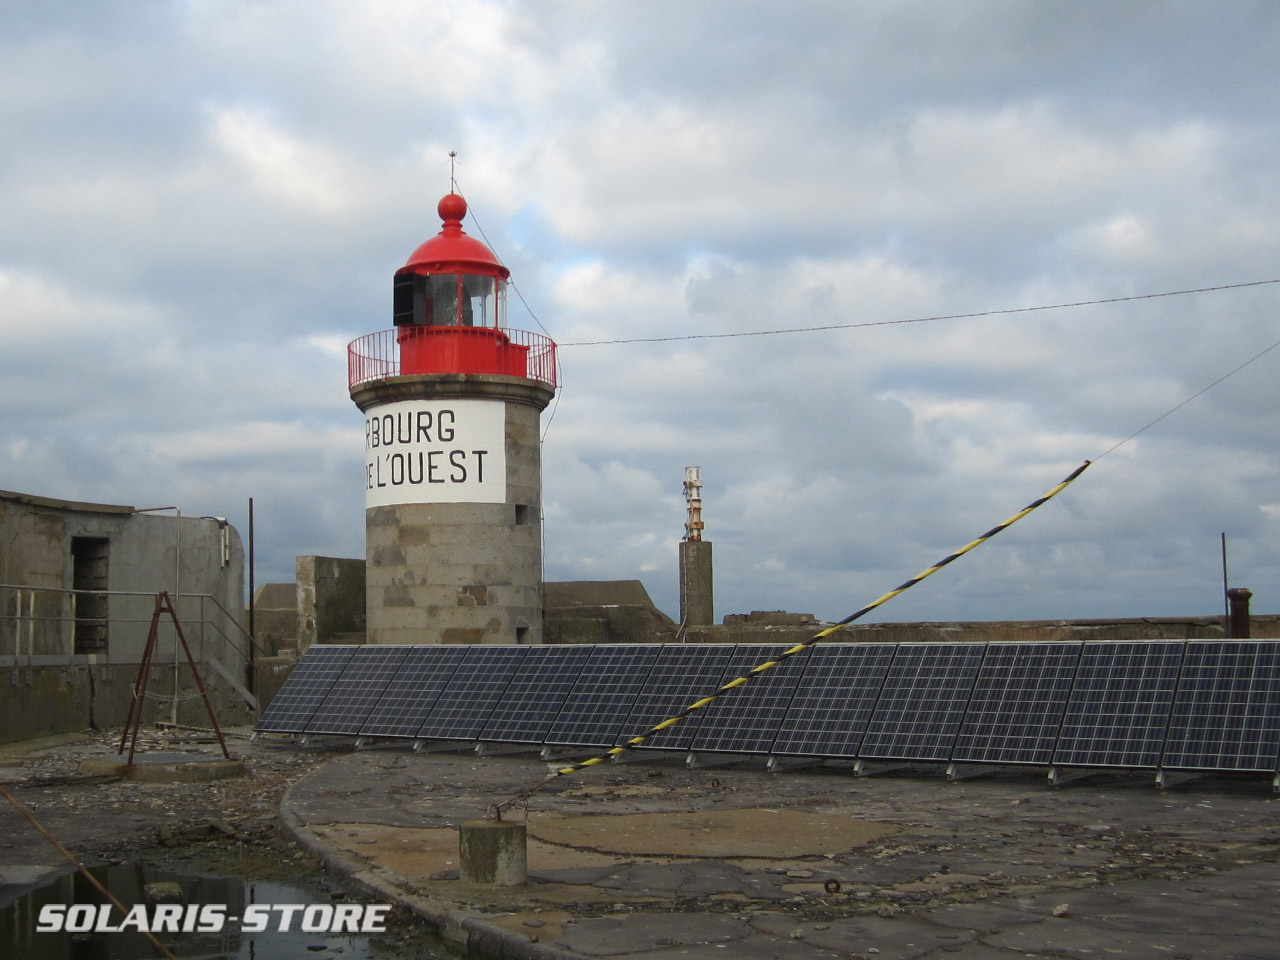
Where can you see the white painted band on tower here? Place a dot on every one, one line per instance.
(435, 451)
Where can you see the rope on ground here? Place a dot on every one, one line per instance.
(168, 697)
(79, 866)
(798, 649)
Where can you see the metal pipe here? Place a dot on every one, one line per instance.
(251, 669)
(1238, 621)
(1226, 604)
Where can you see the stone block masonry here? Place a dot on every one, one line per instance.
(461, 572)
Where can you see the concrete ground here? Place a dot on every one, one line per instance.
(648, 859)
(100, 818)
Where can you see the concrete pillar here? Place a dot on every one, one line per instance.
(493, 852)
(697, 604)
(459, 572)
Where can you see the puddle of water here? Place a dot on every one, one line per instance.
(21, 938)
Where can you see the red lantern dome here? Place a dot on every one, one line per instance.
(452, 280)
(449, 305)
(452, 250)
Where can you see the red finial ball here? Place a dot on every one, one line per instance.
(452, 207)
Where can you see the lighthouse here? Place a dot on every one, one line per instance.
(452, 398)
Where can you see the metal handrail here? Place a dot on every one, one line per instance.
(376, 356)
(18, 617)
(231, 617)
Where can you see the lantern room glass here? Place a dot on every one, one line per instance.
(483, 301)
(442, 300)
(477, 301)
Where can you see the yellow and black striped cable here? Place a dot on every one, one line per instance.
(800, 647)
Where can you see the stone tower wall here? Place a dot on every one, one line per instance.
(461, 572)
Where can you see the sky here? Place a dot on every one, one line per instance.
(202, 202)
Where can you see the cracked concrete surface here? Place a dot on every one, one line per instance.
(652, 860)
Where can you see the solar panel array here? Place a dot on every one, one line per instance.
(1191, 705)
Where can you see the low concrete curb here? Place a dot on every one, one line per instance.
(465, 928)
(187, 771)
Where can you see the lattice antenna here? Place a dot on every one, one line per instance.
(693, 502)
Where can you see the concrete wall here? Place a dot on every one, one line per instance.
(776, 627)
(609, 611)
(55, 681)
(275, 617)
(697, 597)
(330, 601)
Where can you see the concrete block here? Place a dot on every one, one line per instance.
(382, 517)
(493, 853)
(475, 595)
(411, 533)
(397, 595)
(388, 556)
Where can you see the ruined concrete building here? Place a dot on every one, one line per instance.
(78, 586)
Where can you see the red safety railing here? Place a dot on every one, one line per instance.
(410, 350)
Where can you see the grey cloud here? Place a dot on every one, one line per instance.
(194, 190)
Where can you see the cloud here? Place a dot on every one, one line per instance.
(280, 166)
(204, 202)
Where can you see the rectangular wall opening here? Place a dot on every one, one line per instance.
(89, 579)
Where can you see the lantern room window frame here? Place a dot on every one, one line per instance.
(450, 298)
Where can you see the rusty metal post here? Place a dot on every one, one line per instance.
(1238, 621)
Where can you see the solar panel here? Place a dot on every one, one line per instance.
(357, 691)
(532, 699)
(464, 705)
(1018, 702)
(1178, 705)
(1119, 706)
(922, 701)
(683, 673)
(305, 688)
(600, 701)
(834, 699)
(413, 692)
(1226, 714)
(746, 719)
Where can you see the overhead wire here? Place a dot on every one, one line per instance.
(1006, 311)
(1179, 406)
(944, 316)
(555, 403)
(849, 326)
